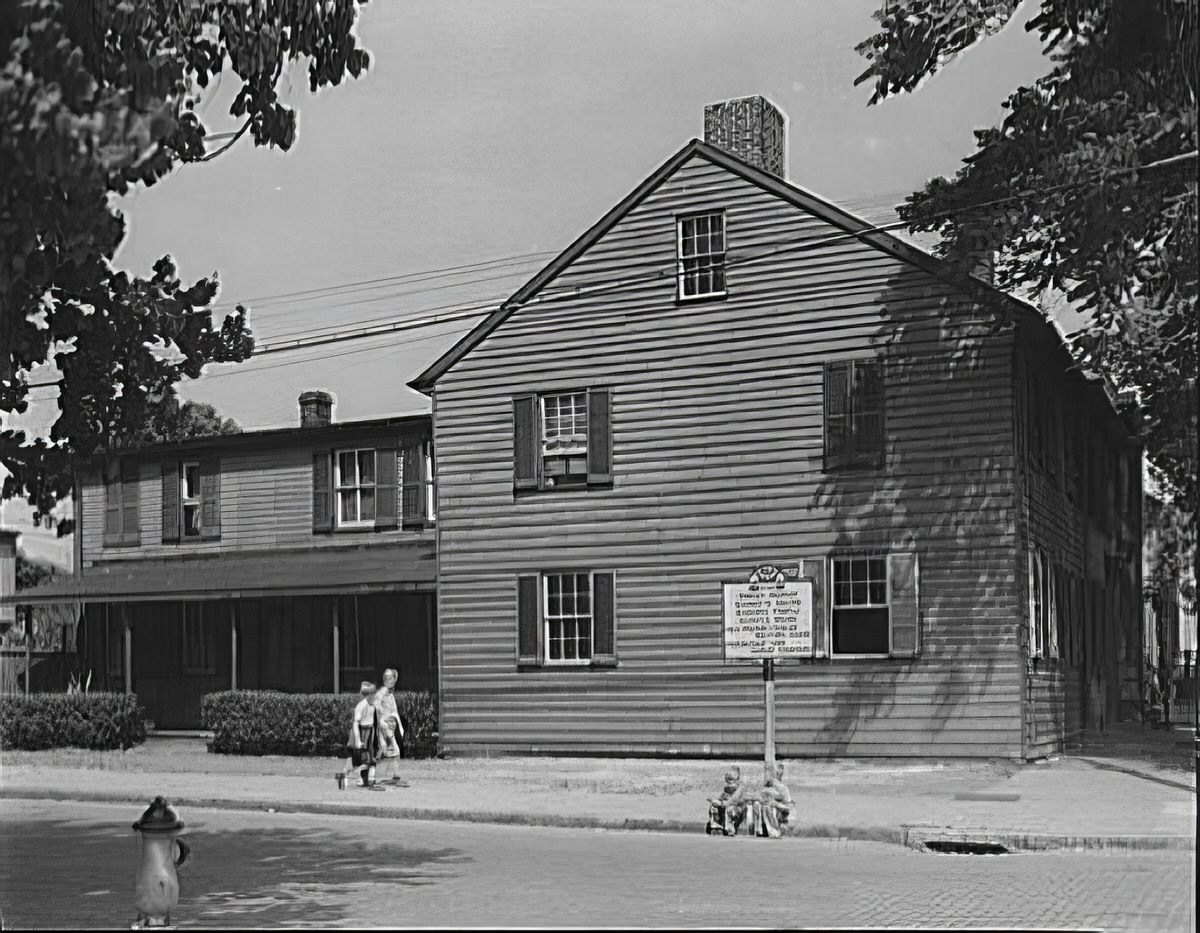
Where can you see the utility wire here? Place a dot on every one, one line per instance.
(791, 245)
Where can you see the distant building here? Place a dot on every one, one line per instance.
(727, 371)
(299, 559)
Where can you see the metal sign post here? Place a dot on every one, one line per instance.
(769, 703)
(769, 617)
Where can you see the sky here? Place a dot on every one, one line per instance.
(491, 133)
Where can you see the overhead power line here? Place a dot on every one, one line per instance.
(429, 317)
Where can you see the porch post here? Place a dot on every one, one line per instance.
(337, 650)
(128, 650)
(233, 645)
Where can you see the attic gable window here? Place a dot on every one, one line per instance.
(701, 255)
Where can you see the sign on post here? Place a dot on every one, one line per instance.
(769, 618)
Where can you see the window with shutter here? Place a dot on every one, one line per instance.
(387, 481)
(814, 569)
(418, 489)
(322, 476)
(170, 501)
(562, 440)
(566, 619)
(112, 503)
(121, 517)
(210, 499)
(854, 414)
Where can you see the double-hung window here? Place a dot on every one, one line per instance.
(861, 618)
(854, 409)
(354, 484)
(562, 439)
(568, 616)
(189, 499)
(873, 605)
(565, 619)
(700, 255)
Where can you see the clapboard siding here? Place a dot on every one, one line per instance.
(1084, 536)
(717, 434)
(266, 504)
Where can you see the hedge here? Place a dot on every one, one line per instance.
(267, 722)
(80, 720)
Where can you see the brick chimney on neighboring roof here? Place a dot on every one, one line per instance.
(316, 409)
(751, 128)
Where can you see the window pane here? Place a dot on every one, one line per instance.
(878, 592)
(347, 505)
(366, 467)
(860, 631)
(367, 505)
(858, 593)
(346, 468)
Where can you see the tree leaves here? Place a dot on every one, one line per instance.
(1082, 188)
(97, 96)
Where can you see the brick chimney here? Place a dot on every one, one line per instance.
(316, 409)
(751, 128)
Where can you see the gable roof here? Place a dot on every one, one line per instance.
(800, 197)
(812, 203)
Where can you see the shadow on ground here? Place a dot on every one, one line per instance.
(246, 878)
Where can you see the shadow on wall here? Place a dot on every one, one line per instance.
(944, 492)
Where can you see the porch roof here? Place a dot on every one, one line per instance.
(245, 574)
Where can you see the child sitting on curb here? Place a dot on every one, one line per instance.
(726, 812)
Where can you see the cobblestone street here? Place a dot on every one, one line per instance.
(261, 869)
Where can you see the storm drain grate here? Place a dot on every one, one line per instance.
(964, 847)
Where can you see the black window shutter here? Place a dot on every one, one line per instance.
(529, 621)
(815, 567)
(599, 451)
(170, 501)
(903, 580)
(386, 470)
(867, 409)
(415, 488)
(525, 442)
(603, 621)
(210, 499)
(837, 413)
(323, 504)
(130, 532)
(112, 502)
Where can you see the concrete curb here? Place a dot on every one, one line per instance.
(1133, 772)
(911, 835)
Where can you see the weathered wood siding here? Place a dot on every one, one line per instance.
(1071, 508)
(717, 467)
(266, 497)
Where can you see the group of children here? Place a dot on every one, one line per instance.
(376, 734)
(770, 808)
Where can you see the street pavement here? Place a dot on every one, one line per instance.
(1113, 797)
(71, 865)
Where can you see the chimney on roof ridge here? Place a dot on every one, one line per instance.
(316, 409)
(751, 128)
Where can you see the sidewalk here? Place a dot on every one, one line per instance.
(1125, 790)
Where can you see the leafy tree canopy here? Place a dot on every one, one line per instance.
(1101, 152)
(31, 572)
(97, 96)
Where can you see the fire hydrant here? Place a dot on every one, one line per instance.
(156, 891)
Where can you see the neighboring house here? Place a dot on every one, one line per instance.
(299, 559)
(728, 371)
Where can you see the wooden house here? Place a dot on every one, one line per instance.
(728, 371)
(299, 559)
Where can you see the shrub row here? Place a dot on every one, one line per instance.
(79, 720)
(267, 722)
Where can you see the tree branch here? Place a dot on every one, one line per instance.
(236, 137)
